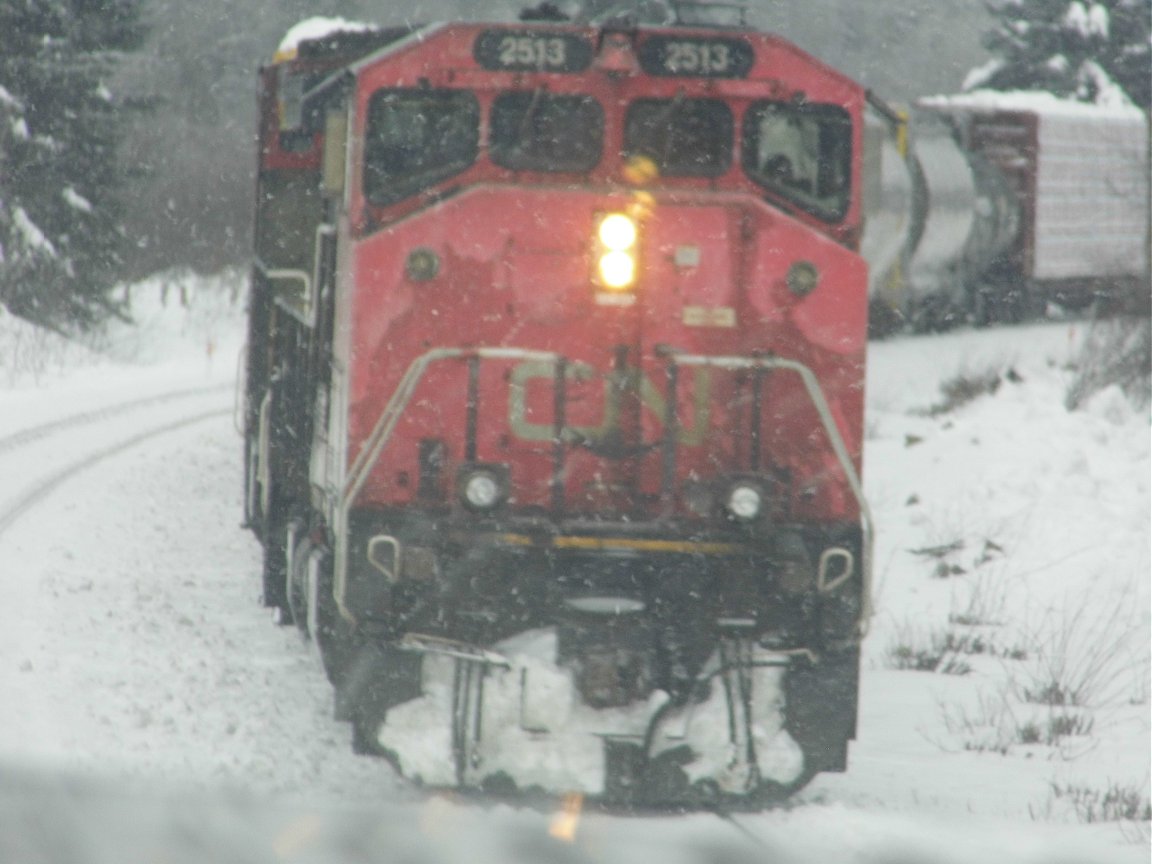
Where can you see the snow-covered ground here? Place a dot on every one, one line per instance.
(1005, 703)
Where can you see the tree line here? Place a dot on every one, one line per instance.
(126, 126)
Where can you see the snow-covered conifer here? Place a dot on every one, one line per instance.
(1078, 49)
(60, 178)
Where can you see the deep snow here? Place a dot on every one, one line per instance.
(1012, 556)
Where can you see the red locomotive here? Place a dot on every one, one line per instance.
(554, 401)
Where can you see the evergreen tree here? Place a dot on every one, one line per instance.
(1073, 48)
(60, 178)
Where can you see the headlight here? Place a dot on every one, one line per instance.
(618, 232)
(617, 237)
(483, 487)
(745, 501)
(617, 269)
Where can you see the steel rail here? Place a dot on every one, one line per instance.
(44, 487)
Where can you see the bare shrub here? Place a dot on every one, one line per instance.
(1078, 660)
(986, 601)
(988, 727)
(1117, 351)
(28, 352)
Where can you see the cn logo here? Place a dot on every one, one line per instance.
(616, 385)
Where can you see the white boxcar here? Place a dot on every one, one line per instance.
(1080, 176)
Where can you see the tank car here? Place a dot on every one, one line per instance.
(555, 402)
(986, 207)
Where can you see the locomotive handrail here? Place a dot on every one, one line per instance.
(310, 281)
(286, 273)
(382, 432)
(812, 385)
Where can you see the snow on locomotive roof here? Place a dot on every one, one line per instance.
(1034, 101)
(317, 28)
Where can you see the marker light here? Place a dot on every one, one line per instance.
(616, 259)
(803, 277)
(482, 487)
(481, 490)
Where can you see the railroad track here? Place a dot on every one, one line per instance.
(40, 487)
(36, 433)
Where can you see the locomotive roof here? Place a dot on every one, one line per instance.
(422, 33)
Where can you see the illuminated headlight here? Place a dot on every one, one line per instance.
(617, 269)
(617, 232)
(483, 488)
(617, 237)
(745, 501)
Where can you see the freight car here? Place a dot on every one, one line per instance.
(554, 401)
(989, 206)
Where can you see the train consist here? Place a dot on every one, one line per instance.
(554, 401)
(989, 206)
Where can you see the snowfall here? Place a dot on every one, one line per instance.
(151, 710)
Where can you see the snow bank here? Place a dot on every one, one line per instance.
(1009, 657)
(178, 316)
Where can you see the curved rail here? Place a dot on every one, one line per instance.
(44, 487)
(35, 433)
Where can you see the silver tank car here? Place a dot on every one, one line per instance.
(940, 221)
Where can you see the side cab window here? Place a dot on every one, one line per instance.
(802, 153)
(415, 139)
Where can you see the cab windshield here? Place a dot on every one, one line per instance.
(802, 153)
(536, 131)
(684, 137)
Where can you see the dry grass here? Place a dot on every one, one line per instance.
(967, 386)
(929, 650)
(1117, 351)
(1112, 803)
